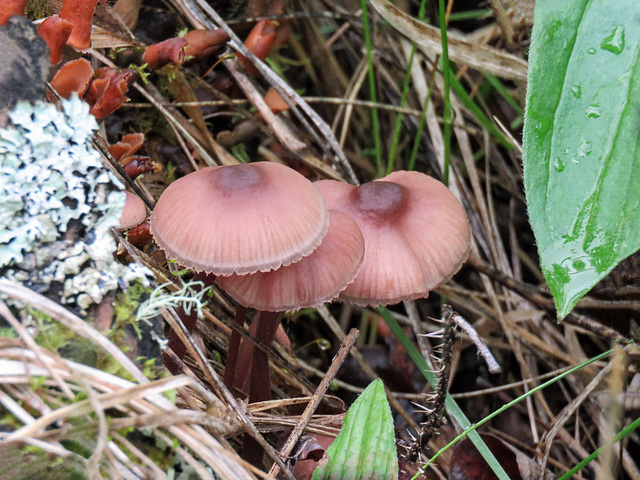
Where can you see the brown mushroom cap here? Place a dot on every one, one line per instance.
(133, 213)
(416, 235)
(314, 280)
(239, 218)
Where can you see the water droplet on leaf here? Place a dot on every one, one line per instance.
(614, 43)
(592, 111)
(555, 25)
(591, 51)
(558, 165)
(584, 150)
(577, 91)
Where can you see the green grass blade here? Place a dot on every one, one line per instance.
(451, 405)
(446, 73)
(515, 401)
(375, 122)
(403, 99)
(477, 112)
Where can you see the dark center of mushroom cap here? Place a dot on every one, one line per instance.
(233, 179)
(383, 200)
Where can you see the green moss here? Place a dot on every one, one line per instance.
(141, 70)
(37, 9)
(171, 172)
(8, 332)
(126, 306)
(240, 152)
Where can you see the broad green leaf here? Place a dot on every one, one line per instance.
(365, 447)
(581, 141)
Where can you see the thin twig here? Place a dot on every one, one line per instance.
(337, 362)
(492, 363)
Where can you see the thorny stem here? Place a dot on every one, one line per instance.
(435, 416)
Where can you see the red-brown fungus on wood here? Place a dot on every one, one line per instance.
(259, 42)
(203, 43)
(107, 92)
(56, 32)
(73, 76)
(133, 213)
(247, 218)
(140, 235)
(310, 282)
(126, 147)
(9, 8)
(416, 234)
(275, 101)
(163, 53)
(136, 165)
(79, 13)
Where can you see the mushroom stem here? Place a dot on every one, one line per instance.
(260, 389)
(234, 349)
(247, 369)
(258, 376)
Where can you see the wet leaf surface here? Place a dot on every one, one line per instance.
(365, 447)
(581, 156)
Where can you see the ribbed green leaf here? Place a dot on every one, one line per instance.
(365, 448)
(581, 141)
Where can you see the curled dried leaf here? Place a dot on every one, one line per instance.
(259, 42)
(137, 165)
(275, 102)
(128, 12)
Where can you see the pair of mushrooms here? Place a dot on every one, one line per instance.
(278, 242)
(275, 241)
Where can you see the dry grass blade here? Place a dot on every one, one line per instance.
(465, 52)
(30, 373)
(71, 321)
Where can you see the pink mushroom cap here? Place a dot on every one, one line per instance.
(133, 213)
(239, 218)
(416, 235)
(314, 280)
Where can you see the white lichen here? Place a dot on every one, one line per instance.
(57, 205)
(191, 295)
